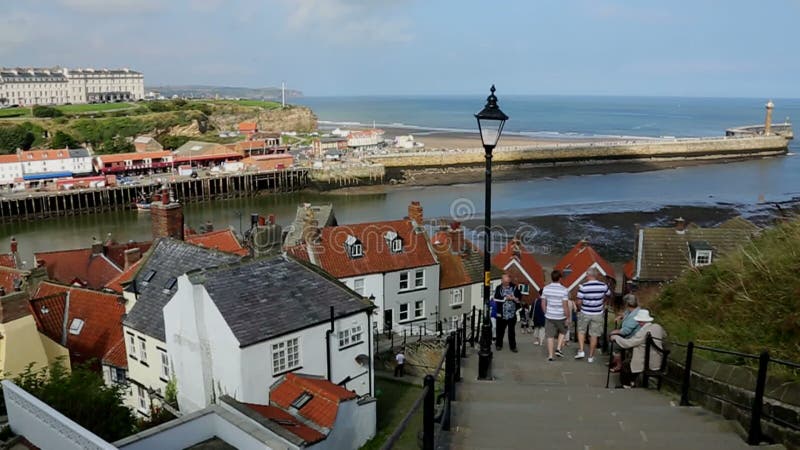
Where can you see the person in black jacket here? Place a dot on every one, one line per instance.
(507, 297)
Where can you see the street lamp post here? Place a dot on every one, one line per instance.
(490, 124)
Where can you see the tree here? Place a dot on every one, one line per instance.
(63, 140)
(14, 137)
(46, 111)
(82, 396)
(172, 142)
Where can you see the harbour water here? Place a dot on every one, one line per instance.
(744, 186)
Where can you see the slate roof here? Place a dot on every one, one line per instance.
(662, 253)
(325, 397)
(329, 252)
(521, 265)
(100, 312)
(167, 259)
(460, 269)
(67, 266)
(578, 261)
(265, 298)
(322, 213)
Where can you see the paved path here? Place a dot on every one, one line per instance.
(536, 404)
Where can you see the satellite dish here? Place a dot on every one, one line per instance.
(362, 360)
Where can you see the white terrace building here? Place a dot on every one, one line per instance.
(54, 86)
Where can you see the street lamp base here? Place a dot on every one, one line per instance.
(485, 353)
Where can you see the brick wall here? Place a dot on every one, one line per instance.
(167, 220)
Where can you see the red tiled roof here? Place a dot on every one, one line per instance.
(325, 397)
(241, 146)
(132, 156)
(579, 260)
(628, 268)
(378, 257)
(288, 421)
(7, 260)
(69, 266)
(248, 127)
(116, 252)
(44, 155)
(7, 276)
(525, 262)
(117, 356)
(222, 240)
(5, 159)
(101, 314)
(116, 283)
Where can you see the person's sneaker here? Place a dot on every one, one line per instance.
(579, 355)
(550, 358)
(513, 350)
(559, 354)
(590, 359)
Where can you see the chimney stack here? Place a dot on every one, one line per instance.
(680, 225)
(516, 249)
(132, 255)
(456, 238)
(97, 247)
(167, 217)
(415, 212)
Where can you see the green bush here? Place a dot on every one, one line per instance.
(14, 137)
(82, 396)
(63, 140)
(171, 142)
(46, 111)
(748, 300)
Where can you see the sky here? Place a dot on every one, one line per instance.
(730, 48)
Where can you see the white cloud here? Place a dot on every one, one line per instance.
(350, 20)
(114, 6)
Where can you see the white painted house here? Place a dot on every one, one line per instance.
(238, 329)
(390, 262)
(56, 163)
(10, 170)
(155, 281)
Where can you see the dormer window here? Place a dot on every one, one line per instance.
(394, 241)
(353, 247)
(700, 253)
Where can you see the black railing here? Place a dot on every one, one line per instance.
(755, 434)
(455, 350)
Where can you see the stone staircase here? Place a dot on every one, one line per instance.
(536, 404)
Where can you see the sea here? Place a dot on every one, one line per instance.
(562, 207)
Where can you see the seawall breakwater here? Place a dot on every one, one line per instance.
(595, 152)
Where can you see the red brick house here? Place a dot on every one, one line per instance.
(578, 261)
(524, 269)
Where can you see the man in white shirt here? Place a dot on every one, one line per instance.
(555, 303)
(399, 368)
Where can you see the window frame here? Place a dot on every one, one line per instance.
(453, 296)
(407, 281)
(140, 393)
(406, 312)
(133, 350)
(356, 250)
(143, 350)
(397, 245)
(363, 282)
(418, 278)
(166, 367)
(705, 254)
(419, 305)
(284, 346)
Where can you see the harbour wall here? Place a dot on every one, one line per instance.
(594, 152)
(43, 205)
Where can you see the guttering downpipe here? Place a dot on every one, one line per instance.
(328, 348)
(65, 321)
(370, 350)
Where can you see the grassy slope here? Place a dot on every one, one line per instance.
(394, 401)
(748, 301)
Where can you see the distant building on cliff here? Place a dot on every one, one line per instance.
(56, 86)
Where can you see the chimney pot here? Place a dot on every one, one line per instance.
(271, 218)
(680, 225)
(415, 212)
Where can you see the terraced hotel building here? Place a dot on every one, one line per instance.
(57, 86)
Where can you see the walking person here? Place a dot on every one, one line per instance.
(507, 299)
(538, 321)
(524, 318)
(400, 364)
(555, 305)
(592, 298)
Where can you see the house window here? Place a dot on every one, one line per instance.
(302, 400)
(403, 281)
(703, 258)
(165, 370)
(419, 278)
(404, 312)
(131, 346)
(524, 289)
(142, 399)
(118, 375)
(456, 297)
(358, 286)
(285, 355)
(419, 309)
(142, 351)
(353, 247)
(397, 245)
(351, 336)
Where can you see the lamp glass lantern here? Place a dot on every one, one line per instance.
(491, 121)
